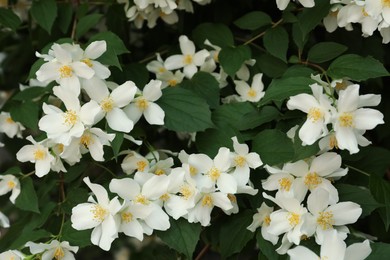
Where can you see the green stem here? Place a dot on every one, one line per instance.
(262, 33)
(358, 170)
(105, 168)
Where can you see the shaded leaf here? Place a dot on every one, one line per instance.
(380, 189)
(232, 58)
(9, 19)
(325, 51)
(253, 20)
(86, 23)
(45, 13)
(276, 42)
(27, 199)
(217, 34)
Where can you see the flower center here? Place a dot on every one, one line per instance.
(59, 253)
(267, 221)
(39, 154)
(11, 184)
(127, 217)
(386, 3)
(333, 142)
(188, 59)
(141, 166)
(312, 180)
(162, 69)
(346, 120)
(107, 104)
(343, 85)
(193, 170)
(252, 93)
(207, 201)
(141, 199)
(88, 62)
(99, 213)
(159, 172)
(66, 71)
(232, 198)
(172, 82)
(315, 114)
(240, 161)
(9, 120)
(214, 173)
(70, 117)
(285, 183)
(186, 192)
(142, 104)
(165, 197)
(59, 148)
(86, 140)
(294, 219)
(325, 220)
(215, 56)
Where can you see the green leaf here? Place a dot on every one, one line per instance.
(257, 118)
(34, 68)
(380, 189)
(309, 18)
(205, 85)
(234, 235)
(29, 235)
(298, 71)
(231, 114)
(39, 219)
(298, 36)
(26, 113)
(27, 199)
(273, 146)
(253, 20)
(29, 93)
(270, 66)
(9, 19)
(81, 238)
(325, 51)
(184, 110)
(276, 42)
(45, 13)
(232, 58)
(117, 143)
(217, 34)
(13, 170)
(304, 152)
(181, 236)
(359, 195)
(86, 23)
(356, 68)
(281, 89)
(64, 16)
(221, 138)
(379, 250)
(266, 247)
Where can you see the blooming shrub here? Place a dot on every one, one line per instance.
(166, 129)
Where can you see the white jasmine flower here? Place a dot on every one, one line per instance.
(350, 119)
(333, 248)
(9, 126)
(12, 254)
(317, 107)
(135, 162)
(93, 51)
(262, 218)
(58, 250)
(9, 183)
(61, 126)
(111, 104)
(282, 4)
(251, 93)
(170, 79)
(189, 60)
(144, 105)
(64, 70)
(329, 216)
(377, 8)
(156, 66)
(99, 215)
(243, 72)
(36, 153)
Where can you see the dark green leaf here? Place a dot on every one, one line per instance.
(359, 195)
(29, 93)
(26, 113)
(35, 67)
(379, 251)
(29, 235)
(9, 19)
(266, 247)
(27, 199)
(298, 71)
(303, 152)
(81, 238)
(299, 37)
(253, 20)
(380, 189)
(184, 110)
(276, 42)
(231, 114)
(182, 236)
(74, 172)
(117, 143)
(205, 85)
(273, 146)
(45, 13)
(221, 137)
(325, 51)
(232, 58)
(39, 219)
(234, 235)
(280, 89)
(218, 34)
(86, 23)
(356, 68)
(13, 170)
(64, 16)
(270, 66)
(257, 118)
(309, 18)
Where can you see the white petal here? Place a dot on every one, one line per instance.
(96, 89)
(174, 62)
(301, 252)
(133, 112)
(154, 114)
(95, 49)
(82, 217)
(123, 94)
(186, 45)
(82, 70)
(358, 251)
(126, 188)
(227, 183)
(118, 120)
(367, 119)
(99, 191)
(345, 212)
(326, 164)
(152, 90)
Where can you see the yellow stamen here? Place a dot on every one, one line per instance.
(141, 166)
(159, 172)
(107, 104)
(312, 180)
(215, 56)
(325, 220)
(88, 62)
(86, 140)
(70, 117)
(162, 69)
(341, 85)
(386, 3)
(333, 142)
(172, 82)
(142, 104)
(141, 199)
(99, 213)
(285, 183)
(186, 192)
(39, 154)
(252, 93)
(232, 198)
(59, 253)
(11, 184)
(346, 120)
(240, 161)
(9, 120)
(193, 170)
(60, 148)
(315, 114)
(66, 71)
(294, 219)
(214, 173)
(207, 201)
(127, 217)
(267, 221)
(188, 59)
(165, 197)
